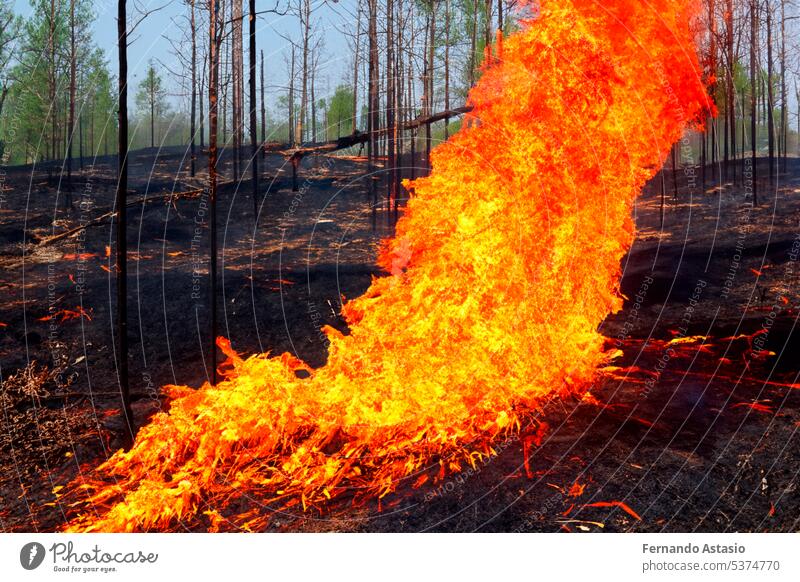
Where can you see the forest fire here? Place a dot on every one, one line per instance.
(504, 264)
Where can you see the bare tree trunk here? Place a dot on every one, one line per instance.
(447, 61)
(253, 128)
(305, 19)
(293, 139)
(430, 79)
(753, 94)
(204, 68)
(487, 26)
(192, 122)
(52, 79)
(263, 110)
(500, 18)
(213, 61)
(152, 115)
(770, 97)
(355, 67)
(784, 101)
(236, 76)
(712, 20)
(373, 104)
(398, 103)
(122, 243)
(413, 152)
(730, 97)
(313, 97)
(391, 162)
(72, 80)
(473, 44)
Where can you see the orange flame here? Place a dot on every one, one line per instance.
(504, 264)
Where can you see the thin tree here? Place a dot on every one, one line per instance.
(213, 77)
(253, 128)
(304, 10)
(447, 60)
(373, 104)
(192, 122)
(356, 53)
(121, 204)
(263, 110)
(770, 104)
(730, 104)
(430, 79)
(753, 95)
(72, 81)
(391, 162)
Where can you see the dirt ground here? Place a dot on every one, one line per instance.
(694, 427)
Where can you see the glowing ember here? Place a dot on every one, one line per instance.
(504, 264)
(63, 315)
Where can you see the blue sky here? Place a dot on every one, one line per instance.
(149, 39)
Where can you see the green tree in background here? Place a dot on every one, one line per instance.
(151, 99)
(340, 112)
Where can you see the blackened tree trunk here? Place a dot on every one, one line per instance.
(770, 109)
(72, 81)
(712, 20)
(391, 193)
(784, 101)
(213, 62)
(753, 95)
(193, 120)
(430, 79)
(447, 60)
(263, 110)
(356, 62)
(305, 20)
(122, 243)
(730, 104)
(253, 128)
(373, 104)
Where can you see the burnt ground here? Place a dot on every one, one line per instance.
(697, 434)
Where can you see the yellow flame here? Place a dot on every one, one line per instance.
(504, 264)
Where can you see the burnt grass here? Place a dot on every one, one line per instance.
(698, 435)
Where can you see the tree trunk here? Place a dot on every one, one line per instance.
(300, 122)
(753, 95)
(391, 163)
(712, 18)
(731, 100)
(770, 105)
(193, 113)
(52, 80)
(373, 104)
(784, 101)
(201, 92)
(263, 110)
(292, 133)
(213, 61)
(236, 78)
(122, 243)
(447, 61)
(253, 128)
(355, 67)
(473, 44)
(152, 114)
(72, 80)
(431, 66)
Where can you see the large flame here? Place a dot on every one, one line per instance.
(504, 264)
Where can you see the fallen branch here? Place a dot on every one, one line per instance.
(100, 219)
(362, 137)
